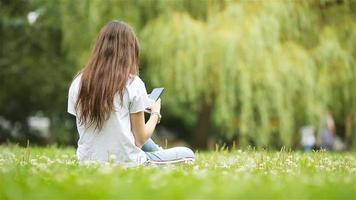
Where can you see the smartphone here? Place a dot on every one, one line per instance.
(156, 93)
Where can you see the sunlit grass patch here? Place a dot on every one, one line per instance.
(37, 173)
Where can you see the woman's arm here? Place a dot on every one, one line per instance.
(141, 131)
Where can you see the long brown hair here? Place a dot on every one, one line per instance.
(113, 60)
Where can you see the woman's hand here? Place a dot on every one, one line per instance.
(156, 107)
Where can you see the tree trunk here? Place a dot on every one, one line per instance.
(204, 127)
(348, 131)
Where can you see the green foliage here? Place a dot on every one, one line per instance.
(33, 75)
(53, 173)
(264, 68)
(82, 19)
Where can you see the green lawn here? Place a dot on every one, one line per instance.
(53, 173)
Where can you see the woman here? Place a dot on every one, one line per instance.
(109, 99)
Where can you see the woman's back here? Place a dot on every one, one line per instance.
(115, 140)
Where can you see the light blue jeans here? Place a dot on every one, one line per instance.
(172, 155)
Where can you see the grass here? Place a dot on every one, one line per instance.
(53, 173)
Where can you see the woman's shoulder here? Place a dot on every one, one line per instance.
(74, 86)
(76, 80)
(135, 81)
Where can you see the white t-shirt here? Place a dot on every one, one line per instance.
(115, 141)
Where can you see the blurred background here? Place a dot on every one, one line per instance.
(238, 73)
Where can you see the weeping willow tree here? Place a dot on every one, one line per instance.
(235, 68)
(81, 20)
(257, 70)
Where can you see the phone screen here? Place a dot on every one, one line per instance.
(156, 93)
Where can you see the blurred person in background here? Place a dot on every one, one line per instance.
(109, 99)
(328, 132)
(308, 138)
